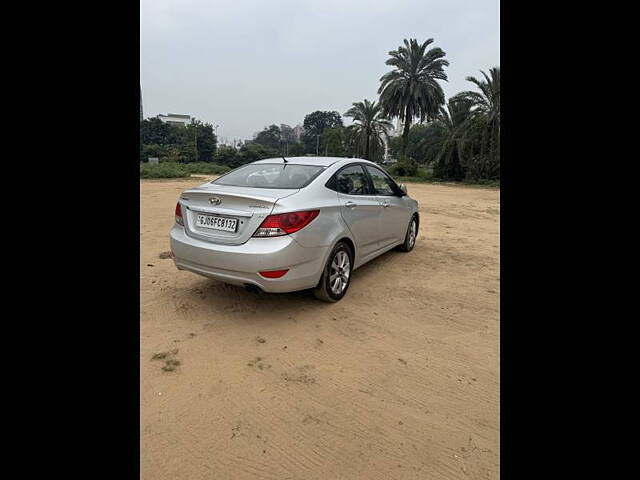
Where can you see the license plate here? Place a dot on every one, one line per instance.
(217, 223)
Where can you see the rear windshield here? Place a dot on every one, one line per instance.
(271, 175)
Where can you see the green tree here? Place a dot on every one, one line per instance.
(404, 167)
(155, 131)
(480, 139)
(411, 89)
(332, 140)
(270, 137)
(226, 155)
(314, 125)
(370, 127)
(417, 145)
(150, 151)
(201, 138)
(295, 149)
(171, 153)
(194, 142)
(448, 139)
(250, 152)
(487, 100)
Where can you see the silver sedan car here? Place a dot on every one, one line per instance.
(287, 224)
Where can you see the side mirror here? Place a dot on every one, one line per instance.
(403, 187)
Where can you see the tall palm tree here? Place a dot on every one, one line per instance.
(482, 129)
(370, 126)
(411, 89)
(487, 101)
(448, 139)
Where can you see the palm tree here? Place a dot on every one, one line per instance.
(487, 101)
(448, 137)
(482, 128)
(411, 89)
(369, 125)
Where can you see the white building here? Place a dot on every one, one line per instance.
(175, 119)
(297, 132)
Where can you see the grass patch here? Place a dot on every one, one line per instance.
(180, 170)
(427, 177)
(435, 181)
(413, 179)
(422, 175)
(483, 183)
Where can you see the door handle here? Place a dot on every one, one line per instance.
(385, 204)
(350, 204)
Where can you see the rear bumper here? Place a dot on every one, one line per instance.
(240, 264)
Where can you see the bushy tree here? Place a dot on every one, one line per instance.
(333, 141)
(150, 151)
(270, 137)
(295, 149)
(154, 131)
(404, 167)
(314, 125)
(202, 137)
(250, 152)
(193, 142)
(419, 145)
(226, 155)
(171, 153)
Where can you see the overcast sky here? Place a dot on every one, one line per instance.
(246, 64)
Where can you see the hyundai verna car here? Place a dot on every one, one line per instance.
(298, 223)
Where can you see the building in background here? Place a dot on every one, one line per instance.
(175, 119)
(290, 135)
(297, 132)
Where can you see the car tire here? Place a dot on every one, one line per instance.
(411, 236)
(329, 290)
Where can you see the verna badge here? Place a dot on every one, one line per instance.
(215, 200)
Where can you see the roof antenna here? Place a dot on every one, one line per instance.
(285, 160)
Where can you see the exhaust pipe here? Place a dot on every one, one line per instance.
(251, 288)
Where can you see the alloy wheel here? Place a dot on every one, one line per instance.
(413, 232)
(339, 272)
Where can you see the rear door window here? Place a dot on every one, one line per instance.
(351, 181)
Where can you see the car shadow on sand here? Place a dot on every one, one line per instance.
(226, 298)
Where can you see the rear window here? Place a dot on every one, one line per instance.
(271, 175)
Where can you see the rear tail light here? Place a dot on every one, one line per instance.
(285, 223)
(179, 220)
(274, 273)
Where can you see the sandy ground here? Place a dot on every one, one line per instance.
(399, 380)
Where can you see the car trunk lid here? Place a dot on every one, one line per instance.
(212, 206)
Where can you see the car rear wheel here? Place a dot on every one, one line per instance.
(411, 236)
(336, 275)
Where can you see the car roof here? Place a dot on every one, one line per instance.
(319, 161)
